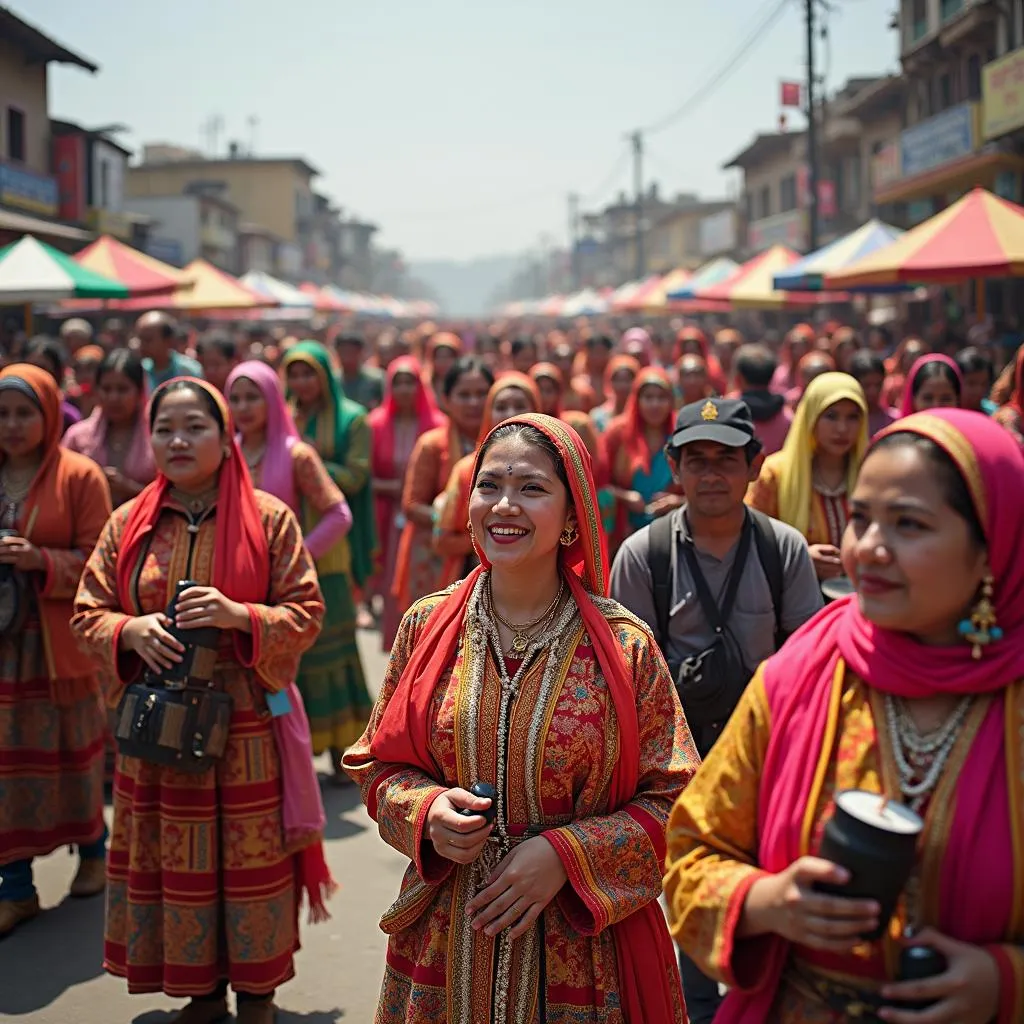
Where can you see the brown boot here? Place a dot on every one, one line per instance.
(203, 1011)
(15, 912)
(91, 878)
(256, 1011)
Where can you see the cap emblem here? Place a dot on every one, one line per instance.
(710, 411)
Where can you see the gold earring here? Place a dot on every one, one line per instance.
(980, 629)
(469, 526)
(568, 536)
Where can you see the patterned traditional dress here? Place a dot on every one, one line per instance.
(201, 888)
(555, 743)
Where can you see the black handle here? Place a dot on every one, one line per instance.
(485, 791)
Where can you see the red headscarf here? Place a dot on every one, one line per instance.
(443, 339)
(907, 401)
(507, 379)
(617, 364)
(627, 433)
(800, 684)
(243, 573)
(716, 376)
(548, 371)
(643, 950)
(382, 419)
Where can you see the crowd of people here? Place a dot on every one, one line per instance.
(655, 600)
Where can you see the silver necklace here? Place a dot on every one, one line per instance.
(922, 757)
(16, 485)
(828, 492)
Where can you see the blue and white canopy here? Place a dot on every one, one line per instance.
(808, 274)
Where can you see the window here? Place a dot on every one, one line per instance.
(787, 193)
(766, 201)
(15, 135)
(974, 77)
(943, 92)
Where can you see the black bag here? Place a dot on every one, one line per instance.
(178, 719)
(14, 596)
(712, 681)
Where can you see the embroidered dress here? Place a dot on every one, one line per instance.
(201, 887)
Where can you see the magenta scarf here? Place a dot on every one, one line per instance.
(907, 404)
(799, 683)
(277, 473)
(89, 437)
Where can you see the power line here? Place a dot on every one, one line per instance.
(775, 10)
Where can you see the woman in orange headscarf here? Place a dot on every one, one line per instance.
(619, 375)
(253, 820)
(641, 478)
(553, 909)
(443, 349)
(551, 386)
(512, 394)
(692, 340)
(53, 504)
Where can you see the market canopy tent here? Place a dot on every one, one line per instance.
(978, 236)
(703, 277)
(31, 271)
(657, 300)
(281, 292)
(139, 273)
(752, 285)
(637, 299)
(809, 273)
(323, 301)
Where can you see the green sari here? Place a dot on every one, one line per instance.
(331, 678)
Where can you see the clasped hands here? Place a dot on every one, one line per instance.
(197, 608)
(22, 554)
(520, 887)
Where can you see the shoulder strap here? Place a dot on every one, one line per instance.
(771, 561)
(718, 616)
(661, 573)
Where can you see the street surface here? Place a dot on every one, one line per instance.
(50, 969)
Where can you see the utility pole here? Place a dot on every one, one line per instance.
(637, 140)
(812, 133)
(574, 239)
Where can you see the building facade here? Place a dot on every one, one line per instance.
(199, 224)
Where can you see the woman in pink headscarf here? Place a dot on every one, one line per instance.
(934, 382)
(930, 645)
(636, 342)
(406, 414)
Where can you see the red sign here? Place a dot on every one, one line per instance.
(790, 94)
(69, 169)
(827, 207)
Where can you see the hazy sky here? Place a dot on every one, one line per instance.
(458, 126)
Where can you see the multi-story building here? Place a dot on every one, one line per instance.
(674, 239)
(355, 243)
(273, 192)
(29, 193)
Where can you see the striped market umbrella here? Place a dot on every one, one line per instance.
(283, 294)
(703, 277)
(31, 271)
(638, 298)
(752, 285)
(978, 236)
(809, 273)
(139, 273)
(672, 281)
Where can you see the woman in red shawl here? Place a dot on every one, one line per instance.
(206, 871)
(1011, 415)
(619, 375)
(641, 478)
(551, 386)
(407, 413)
(551, 912)
(512, 394)
(798, 342)
(443, 349)
(931, 645)
(692, 340)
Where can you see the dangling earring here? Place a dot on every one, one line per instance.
(981, 629)
(469, 526)
(568, 536)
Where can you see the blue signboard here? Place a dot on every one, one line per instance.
(947, 136)
(169, 250)
(27, 190)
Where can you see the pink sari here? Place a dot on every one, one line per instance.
(799, 683)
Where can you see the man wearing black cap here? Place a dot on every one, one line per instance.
(719, 584)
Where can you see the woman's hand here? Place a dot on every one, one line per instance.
(119, 484)
(147, 636)
(663, 504)
(203, 607)
(455, 836)
(22, 554)
(634, 501)
(522, 885)
(966, 993)
(827, 562)
(786, 905)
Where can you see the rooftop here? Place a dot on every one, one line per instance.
(764, 147)
(37, 44)
(59, 127)
(209, 163)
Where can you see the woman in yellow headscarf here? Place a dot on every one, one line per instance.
(808, 482)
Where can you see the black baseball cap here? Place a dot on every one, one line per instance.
(724, 420)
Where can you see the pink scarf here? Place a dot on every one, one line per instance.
(907, 401)
(89, 437)
(277, 474)
(798, 682)
(382, 419)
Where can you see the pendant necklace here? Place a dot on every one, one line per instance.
(522, 631)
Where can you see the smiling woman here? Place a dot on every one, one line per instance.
(527, 678)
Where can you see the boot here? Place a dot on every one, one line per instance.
(203, 1011)
(15, 912)
(91, 878)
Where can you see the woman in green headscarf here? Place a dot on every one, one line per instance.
(331, 676)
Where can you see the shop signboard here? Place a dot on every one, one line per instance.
(718, 233)
(782, 229)
(26, 190)
(1002, 92)
(948, 136)
(886, 166)
(69, 163)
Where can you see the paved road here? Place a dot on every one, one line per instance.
(50, 969)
